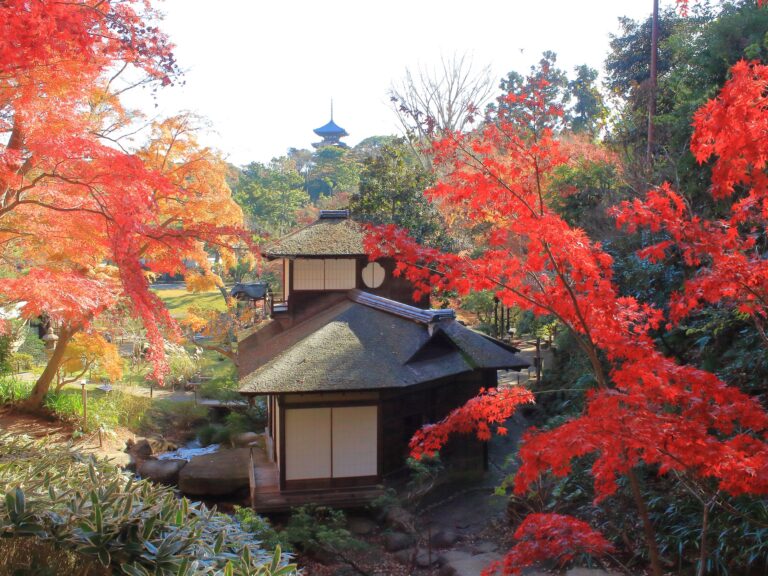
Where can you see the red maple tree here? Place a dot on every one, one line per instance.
(645, 409)
(84, 221)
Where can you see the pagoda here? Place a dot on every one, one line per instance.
(331, 134)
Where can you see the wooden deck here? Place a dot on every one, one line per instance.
(267, 497)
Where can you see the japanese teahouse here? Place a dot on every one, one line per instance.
(351, 367)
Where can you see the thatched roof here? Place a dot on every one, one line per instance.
(362, 344)
(332, 235)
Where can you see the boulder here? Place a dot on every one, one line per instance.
(361, 526)
(160, 445)
(396, 541)
(221, 473)
(485, 547)
(426, 558)
(443, 538)
(138, 451)
(162, 471)
(244, 439)
(464, 563)
(405, 556)
(399, 519)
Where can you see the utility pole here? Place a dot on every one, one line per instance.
(653, 84)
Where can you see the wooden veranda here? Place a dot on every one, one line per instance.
(266, 495)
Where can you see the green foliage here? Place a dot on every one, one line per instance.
(106, 410)
(333, 169)
(554, 91)
(30, 556)
(260, 527)
(586, 190)
(737, 538)
(588, 113)
(317, 529)
(136, 527)
(424, 475)
(181, 367)
(13, 390)
(251, 420)
(34, 346)
(178, 301)
(168, 418)
(392, 185)
(224, 389)
(271, 194)
(5, 354)
(248, 421)
(213, 434)
(22, 362)
(480, 303)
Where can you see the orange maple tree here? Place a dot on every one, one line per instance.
(83, 220)
(645, 409)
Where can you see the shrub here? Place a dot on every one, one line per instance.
(224, 389)
(34, 346)
(317, 529)
(22, 362)
(207, 433)
(105, 410)
(259, 527)
(88, 506)
(182, 367)
(13, 390)
(251, 420)
(169, 418)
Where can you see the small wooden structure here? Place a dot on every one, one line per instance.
(351, 367)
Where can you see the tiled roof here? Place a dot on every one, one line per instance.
(355, 345)
(331, 129)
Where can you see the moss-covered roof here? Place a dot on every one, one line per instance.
(355, 346)
(324, 237)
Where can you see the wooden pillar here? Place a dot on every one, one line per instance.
(538, 361)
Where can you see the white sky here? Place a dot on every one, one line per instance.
(263, 72)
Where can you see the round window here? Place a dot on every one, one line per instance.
(373, 275)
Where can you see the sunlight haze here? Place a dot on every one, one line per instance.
(263, 73)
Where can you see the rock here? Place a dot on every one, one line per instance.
(244, 439)
(361, 526)
(162, 471)
(144, 448)
(467, 564)
(345, 571)
(443, 538)
(396, 541)
(138, 451)
(588, 572)
(447, 570)
(485, 547)
(399, 519)
(405, 556)
(221, 473)
(160, 445)
(425, 558)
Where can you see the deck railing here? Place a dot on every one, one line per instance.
(252, 476)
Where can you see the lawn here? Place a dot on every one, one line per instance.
(179, 301)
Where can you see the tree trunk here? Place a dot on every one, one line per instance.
(650, 533)
(43, 383)
(653, 83)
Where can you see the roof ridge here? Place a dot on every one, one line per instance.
(399, 308)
